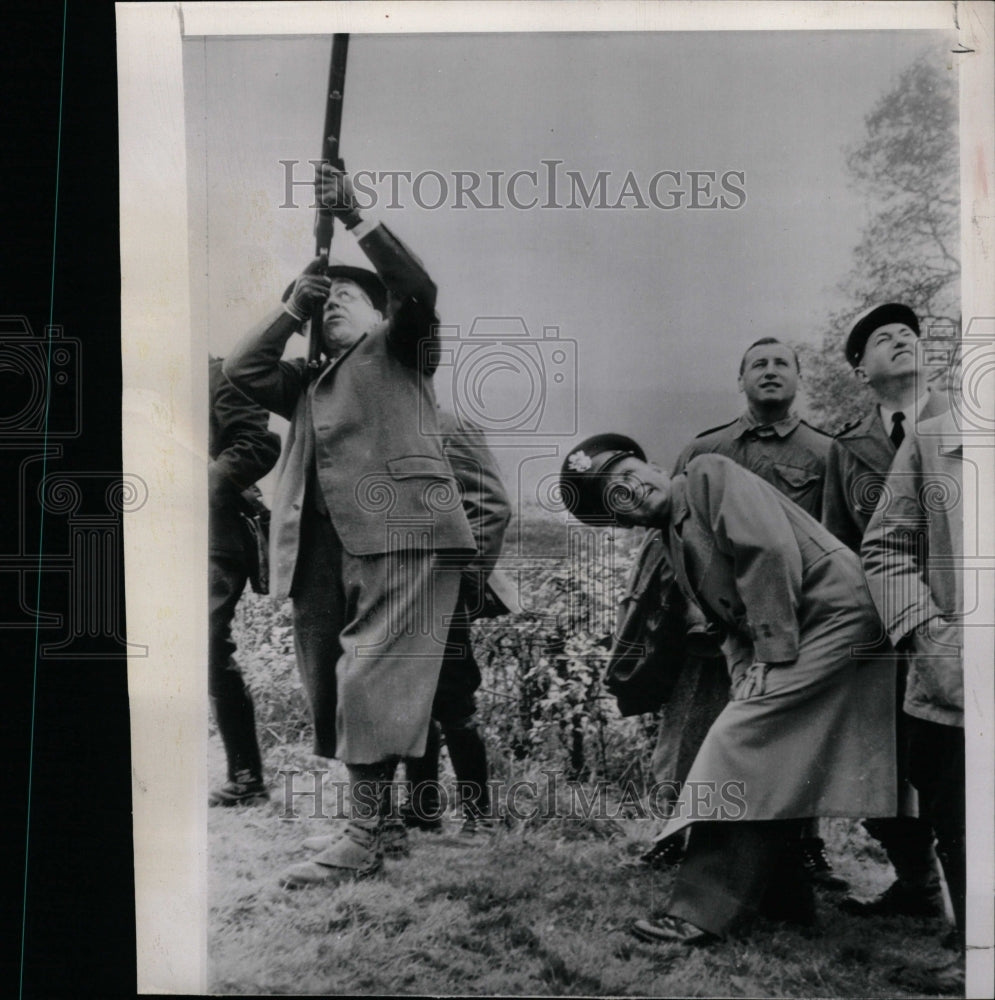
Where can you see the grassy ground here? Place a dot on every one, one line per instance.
(540, 911)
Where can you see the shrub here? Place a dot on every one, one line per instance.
(541, 703)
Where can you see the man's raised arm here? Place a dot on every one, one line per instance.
(413, 320)
(255, 367)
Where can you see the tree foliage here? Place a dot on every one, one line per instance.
(907, 166)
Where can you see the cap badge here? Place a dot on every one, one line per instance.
(579, 461)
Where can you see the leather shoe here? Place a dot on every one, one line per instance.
(900, 900)
(671, 930)
(245, 790)
(355, 854)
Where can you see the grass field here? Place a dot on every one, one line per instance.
(542, 911)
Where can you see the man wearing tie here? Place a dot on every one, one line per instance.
(881, 349)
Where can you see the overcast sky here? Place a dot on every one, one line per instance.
(653, 305)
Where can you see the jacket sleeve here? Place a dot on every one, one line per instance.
(749, 526)
(412, 330)
(255, 369)
(485, 501)
(836, 512)
(248, 449)
(894, 548)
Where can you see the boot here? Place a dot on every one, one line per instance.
(236, 721)
(356, 854)
(423, 810)
(469, 759)
(916, 891)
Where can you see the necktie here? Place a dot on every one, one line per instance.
(897, 430)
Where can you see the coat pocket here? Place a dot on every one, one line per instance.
(419, 467)
(795, 478)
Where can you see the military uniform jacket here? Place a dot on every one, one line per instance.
(790, 455)
(363, 435)
(858, 464)
(910, 554)
(242, 450)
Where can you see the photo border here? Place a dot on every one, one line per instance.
(165, 410)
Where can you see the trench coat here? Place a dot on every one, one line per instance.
(791, 456)
(911, 554)
(813, 732)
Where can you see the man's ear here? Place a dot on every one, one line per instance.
(739, 384)
(861, 374)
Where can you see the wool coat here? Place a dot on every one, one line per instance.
(791, 456)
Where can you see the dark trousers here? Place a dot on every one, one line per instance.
(230, 700)
(734, 871)
(936, 767)
(907, 840)
(453, 711)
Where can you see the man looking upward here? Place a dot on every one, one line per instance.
(368, 534)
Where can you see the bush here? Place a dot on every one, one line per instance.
(541, 704)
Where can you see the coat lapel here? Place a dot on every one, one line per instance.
(331, 366)
(869, 443)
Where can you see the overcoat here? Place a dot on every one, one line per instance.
(791, 456)
(488, 512)
(911, 555)
(816, 737)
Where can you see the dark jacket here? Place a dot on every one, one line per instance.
(858, 464)
(242, 450)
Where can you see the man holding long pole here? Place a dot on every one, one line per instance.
(368, 535)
